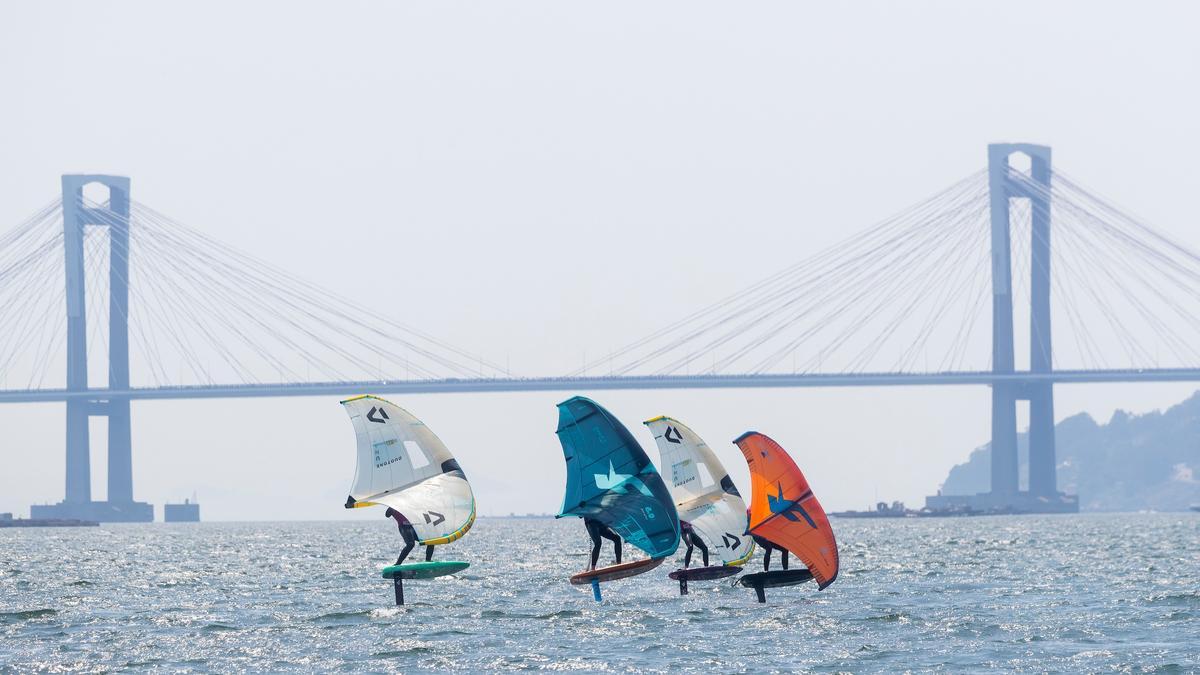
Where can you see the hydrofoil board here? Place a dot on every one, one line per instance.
(614, 572)
(704, 573)
(762, 580)
(424, 570)
(684, 575)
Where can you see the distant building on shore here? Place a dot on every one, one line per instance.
(187, 512)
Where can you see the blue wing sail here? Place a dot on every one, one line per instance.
(610, 478)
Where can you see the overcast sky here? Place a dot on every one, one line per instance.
(541, 180)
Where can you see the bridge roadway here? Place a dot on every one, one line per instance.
(499, 385)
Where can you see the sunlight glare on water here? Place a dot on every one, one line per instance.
(1033, 593)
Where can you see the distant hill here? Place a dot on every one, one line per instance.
(1134, 462)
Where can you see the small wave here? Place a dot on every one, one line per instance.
(659, 647)
(891, 617)
(385, 612)
(1165, 668)
(447, 633)
(82, 582)
(140, 664)
(562, 614)
(27, 614)
(361, 615)
(873, 653)
(1184, 599)
(391, 654)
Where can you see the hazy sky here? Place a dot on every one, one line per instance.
(541, 180)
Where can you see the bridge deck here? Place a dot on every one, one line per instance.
(453, 385)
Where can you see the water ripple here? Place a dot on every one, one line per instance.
(1049, 593)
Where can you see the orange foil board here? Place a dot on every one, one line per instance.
(614, 572)
(784, 510)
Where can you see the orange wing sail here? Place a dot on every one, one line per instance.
(783, 509)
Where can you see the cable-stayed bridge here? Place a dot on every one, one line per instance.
(104, 301)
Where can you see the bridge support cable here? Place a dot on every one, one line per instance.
(257, 312)
(904, 296)
(1126, 270)
(162, 307)
(1070, 303)
(198, 303)
(30, 279)
(200, 313)
(898, 277)
(945, 294)
(25, 313)
(1102, 282)
(915, 286)
(893, 287)
(830, 295)
(930, 275)
(780, 286)
(296, 328)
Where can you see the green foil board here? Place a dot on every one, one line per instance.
(424, 570)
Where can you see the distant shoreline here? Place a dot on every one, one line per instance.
(1085, 514)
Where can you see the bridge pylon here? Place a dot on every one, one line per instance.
(1006, 184)
(1009, 384)
(78, 215)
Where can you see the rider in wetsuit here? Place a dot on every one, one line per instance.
(596, 530)
(409, 534)
(689, 538)
(767, 547)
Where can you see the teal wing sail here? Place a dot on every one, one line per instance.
(610, 478)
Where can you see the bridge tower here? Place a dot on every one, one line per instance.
(119, 505)
(1006, 184)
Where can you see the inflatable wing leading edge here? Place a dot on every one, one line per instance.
(610, 478)
(402, 464)
(704, 493)
(783, 509)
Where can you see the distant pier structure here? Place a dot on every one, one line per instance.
(187, 512)
(1004, 185)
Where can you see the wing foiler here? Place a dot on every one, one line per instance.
(404, 465)
(610, 479)
(783, 510)
(704, 494)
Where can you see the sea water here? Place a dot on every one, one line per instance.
(1025, 593)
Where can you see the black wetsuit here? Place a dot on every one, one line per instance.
(409, 534)
(767, 547)
(691, 540)
(596, 530)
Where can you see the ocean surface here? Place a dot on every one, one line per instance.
(1092, 592)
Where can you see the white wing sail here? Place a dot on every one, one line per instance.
(404, 465)
(704, 493)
